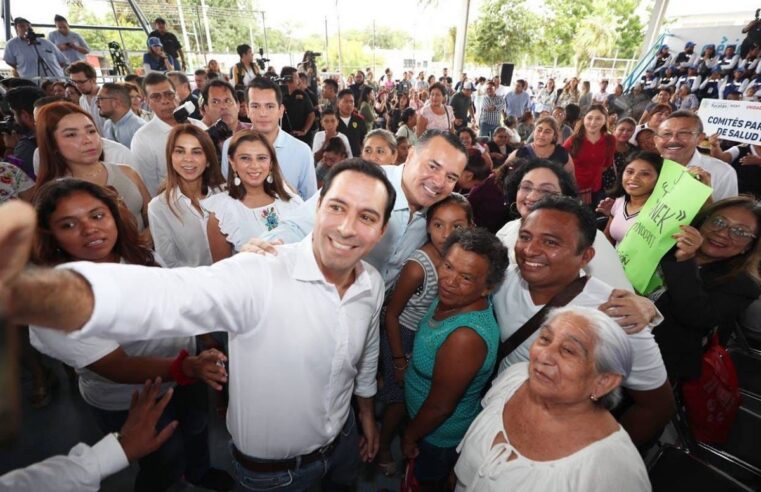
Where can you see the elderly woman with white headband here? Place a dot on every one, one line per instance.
(545, 423)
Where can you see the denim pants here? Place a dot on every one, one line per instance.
(186, 452)
(486, 129)
(337, 471)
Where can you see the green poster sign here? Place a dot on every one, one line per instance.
(676, 200)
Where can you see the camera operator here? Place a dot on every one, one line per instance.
(184, 93)
(31, 55)
(299, 111)
(71, 44)
(21, 101)
(219, 107)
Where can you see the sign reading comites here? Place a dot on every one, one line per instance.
(738, 121)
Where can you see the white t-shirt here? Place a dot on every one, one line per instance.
(612, 463)
(319, 139)
(723, 176)
(240, 223)
(95, 389)
(513, 307)
(605, 265)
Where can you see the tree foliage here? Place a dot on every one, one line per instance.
(505, 31)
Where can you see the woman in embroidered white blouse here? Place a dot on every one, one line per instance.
(545, 424)
(257, 199)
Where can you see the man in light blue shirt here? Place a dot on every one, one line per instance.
(265, 110)
(31, 58)
(71, 44)
(114, 104)
(428, 176)
(518, 101)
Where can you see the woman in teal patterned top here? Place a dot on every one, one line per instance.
(454, 353)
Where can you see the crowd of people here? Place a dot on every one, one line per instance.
(302, 243)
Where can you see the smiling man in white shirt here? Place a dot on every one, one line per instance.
(293, 367)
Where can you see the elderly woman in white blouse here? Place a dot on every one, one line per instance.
(545, 423)
(176, 217)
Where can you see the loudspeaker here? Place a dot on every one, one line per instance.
(506, 74)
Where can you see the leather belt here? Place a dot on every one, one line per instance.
(271, 466)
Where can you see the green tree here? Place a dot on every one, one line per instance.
(443, 46)
(504, 31)
(596, 37)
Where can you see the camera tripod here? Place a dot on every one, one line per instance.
(43, 69)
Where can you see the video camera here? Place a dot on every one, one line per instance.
(261, 61)
(31, 37)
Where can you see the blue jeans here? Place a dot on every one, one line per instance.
(486, 129)
(186, 452)
(337, 471)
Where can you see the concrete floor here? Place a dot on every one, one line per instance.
(66, 421)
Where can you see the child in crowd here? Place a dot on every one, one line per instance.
(334, 152)
(329, 123)
(635, 185)
(413, 294)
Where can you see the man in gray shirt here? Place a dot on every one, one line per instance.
(32, 57)
(114, 104)
(518, 101)
(71, 44)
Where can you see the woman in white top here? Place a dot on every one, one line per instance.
(545, 423)
(177, 219)
(436, 114)
(81, 221)
(533, 180)
(257, 198)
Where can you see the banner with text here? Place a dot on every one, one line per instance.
(676, 200)
(738, 121)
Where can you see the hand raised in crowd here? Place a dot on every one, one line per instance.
(261, 247)
(632, 312)
(605, 206)
(688, 242)
(207, 366)
(700, 174)
(750, 160)
(17, 224)
(138, 436)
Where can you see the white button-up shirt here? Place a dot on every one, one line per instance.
(179, 233)
(81, 470)
(723, 176)
(149, 149)
(402, 237)
(298, 351)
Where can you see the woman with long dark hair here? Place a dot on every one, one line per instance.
(81, 221)
(177, 218)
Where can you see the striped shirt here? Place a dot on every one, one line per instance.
(492, 109)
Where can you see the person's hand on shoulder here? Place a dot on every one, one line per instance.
(261, 247)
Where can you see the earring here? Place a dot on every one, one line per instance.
(236, 180)
(594, 398)
(270, 179)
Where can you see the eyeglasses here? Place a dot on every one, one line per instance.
(542, 192)
(736, 233)
(157, 96)
(79, 82)
(680, 135)
(99, 98)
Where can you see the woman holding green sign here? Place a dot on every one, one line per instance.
(711, 276)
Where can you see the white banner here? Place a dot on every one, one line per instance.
(738, 121)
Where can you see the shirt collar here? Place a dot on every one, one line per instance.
(305, 268)
(281, 139)
(394, 174)
(125, 118)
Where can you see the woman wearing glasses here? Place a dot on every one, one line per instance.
(711, 277)
(530, 182)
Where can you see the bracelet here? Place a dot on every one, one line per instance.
(405, 366)
(400, 357)
(176, 369)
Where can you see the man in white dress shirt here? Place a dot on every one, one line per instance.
(677, 138)
(554, 244)
(293, 367)
(149, 142)
(83, 75)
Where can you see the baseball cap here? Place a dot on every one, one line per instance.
(468, 86)
(160, 19)
(19, 20)
(689, 44)
(154, 41)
